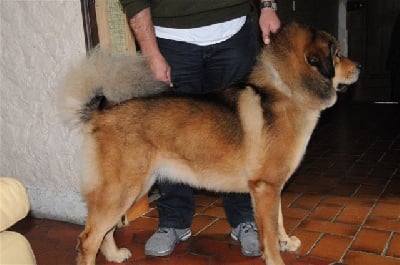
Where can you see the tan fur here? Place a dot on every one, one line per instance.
(236, 140)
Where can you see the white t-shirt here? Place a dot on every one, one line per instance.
(203, 36)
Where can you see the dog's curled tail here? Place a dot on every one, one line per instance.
(116, 77)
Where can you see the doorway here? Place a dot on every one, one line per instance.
(370, 25)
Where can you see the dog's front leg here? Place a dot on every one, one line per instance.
(286, 243)
(266, 206)
(111, 251)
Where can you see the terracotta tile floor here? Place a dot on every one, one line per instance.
(343, 203)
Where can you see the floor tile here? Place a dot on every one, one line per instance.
(308, 240)
(210, 247)
(144, 223)
(383, 224)
(332, 247)
(386, 210)
(206, 199)
(288, 198)
(314, 261)
(307, 201)
(392, 191)
(355, 215)
(350, 200)
(148, 261)
(345, 189)
(216, 211)
(329, 227)
(362, 258)
(371, 240)
(304, 188)
(368, 192)
(325, 212)
(293, 212)
(220, 230)
(337, 200)
(189, 259)
(291, 223)
(201, 222)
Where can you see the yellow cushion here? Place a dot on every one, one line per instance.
(15, 249)
(14, 202)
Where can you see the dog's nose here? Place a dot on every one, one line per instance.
(359, 66)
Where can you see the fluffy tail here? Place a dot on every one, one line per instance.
(116, 77)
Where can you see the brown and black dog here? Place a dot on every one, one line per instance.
(247, 138)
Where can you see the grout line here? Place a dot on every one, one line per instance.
(382, 157)
(294, 200)
(305, 217)
(367, 216)
(207, 226)
(358, 231)
(290, 205)
(206, 208)
(386, 248)
(315, 244)
(337, 215)
(394, 141)
(357, 190)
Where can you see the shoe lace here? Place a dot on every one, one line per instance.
(248, 226)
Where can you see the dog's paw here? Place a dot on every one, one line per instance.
(119, 256)
(290, 244)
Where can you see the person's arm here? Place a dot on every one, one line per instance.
(143, 28)
(269, 20)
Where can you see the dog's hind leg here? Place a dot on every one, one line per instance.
(266, 205)
(106, 205)
(286, 243)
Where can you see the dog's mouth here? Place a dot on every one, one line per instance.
(342, 88)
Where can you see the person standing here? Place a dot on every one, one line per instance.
(198, 46)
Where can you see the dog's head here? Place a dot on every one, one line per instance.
(323, 54)
(309, 65)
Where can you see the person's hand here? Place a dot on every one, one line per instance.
(269, 23)
(143, 29)
(159, 68)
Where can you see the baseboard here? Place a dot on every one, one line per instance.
(68, 206)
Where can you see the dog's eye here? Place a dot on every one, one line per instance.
(313, 60)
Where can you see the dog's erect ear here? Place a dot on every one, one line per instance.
(334, 49)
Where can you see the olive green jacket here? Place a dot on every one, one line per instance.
(188, 13)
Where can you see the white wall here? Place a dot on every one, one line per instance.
(39, 38)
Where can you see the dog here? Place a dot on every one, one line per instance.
(246, 138)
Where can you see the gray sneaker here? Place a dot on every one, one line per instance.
(163, 241)
(246, 234)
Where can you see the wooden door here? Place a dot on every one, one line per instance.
(319, 14)
(370, 24)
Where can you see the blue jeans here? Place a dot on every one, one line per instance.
(200, 69)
